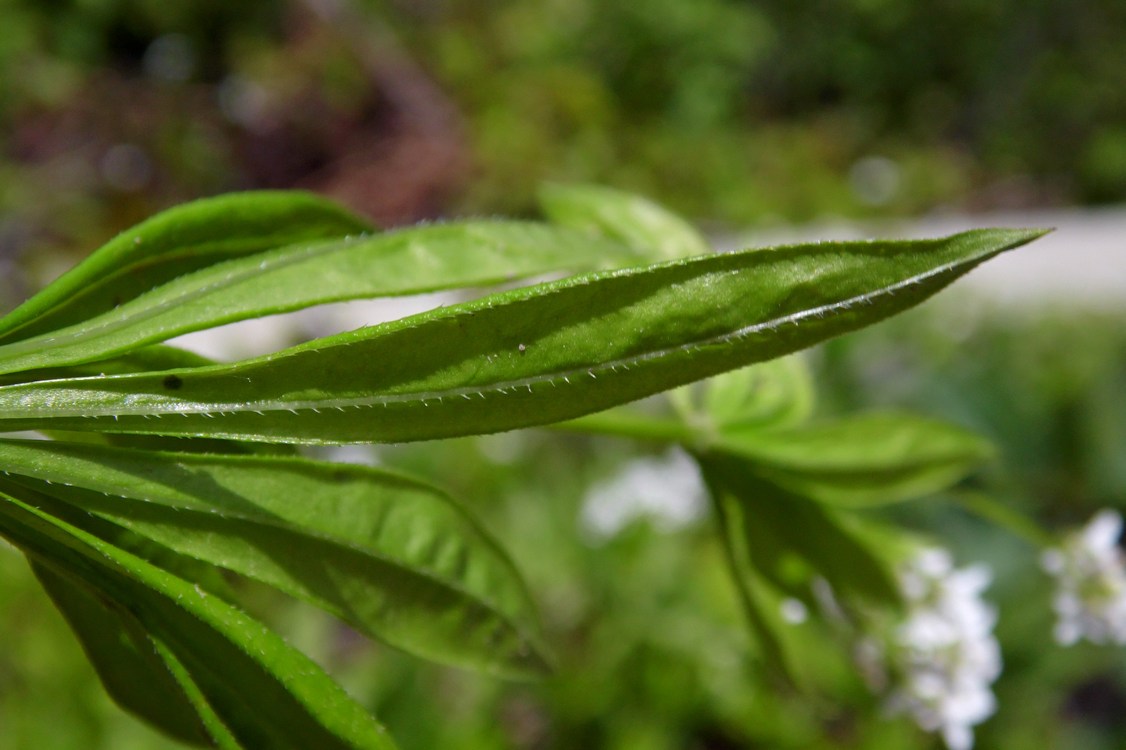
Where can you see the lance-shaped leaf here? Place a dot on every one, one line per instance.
(407, 261)
(132, 673)
(390, 555)
(175, 242)
(529, 356)
(636, 221)
(252, 690)
(862, 460)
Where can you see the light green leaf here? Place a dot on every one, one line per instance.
(769, 394)
(632, 422)
(395, 558)
(178, 241)
(526, 357)
(264, 693)
(132, 674)
(146, 359)
(407, 261)
(636, 221)
(862, 460)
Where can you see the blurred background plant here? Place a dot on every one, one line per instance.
(735, 114)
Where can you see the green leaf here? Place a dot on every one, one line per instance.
(147, 359)
(862, 460)
(395, 558)
(264, 693)
(176, 242)
(770, 394)
(791, 539)
(525, 357)
(636, 221)
(760, 603)
(632, 422)
(407, 261)
(132, 674)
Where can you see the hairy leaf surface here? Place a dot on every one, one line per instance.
(530, 356)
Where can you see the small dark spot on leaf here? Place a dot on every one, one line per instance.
(116, 301)
(173, 382)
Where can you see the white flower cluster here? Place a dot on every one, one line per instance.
(1090, 573)
(667, 489)
(941, 660)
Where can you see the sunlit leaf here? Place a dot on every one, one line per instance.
(407, 261)
(178, 241)
(525, 357)
(636, 221)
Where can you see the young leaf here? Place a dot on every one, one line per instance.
(636, 221)
(407, 261)
(861, 460)
(777, 393)
(132, 674)
(395, 558)
(178, 241)
(770, 394)
(526, 357)
(266, 694)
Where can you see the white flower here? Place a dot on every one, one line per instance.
(666, 489)
(1090, 573)
(941, 659)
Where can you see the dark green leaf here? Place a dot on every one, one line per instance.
(264, 693)
(791, 539)
(394, 557)
(526, 357)
(759, 602)
(132, 674)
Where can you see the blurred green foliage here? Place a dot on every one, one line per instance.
(741, 111)
(727, 111)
